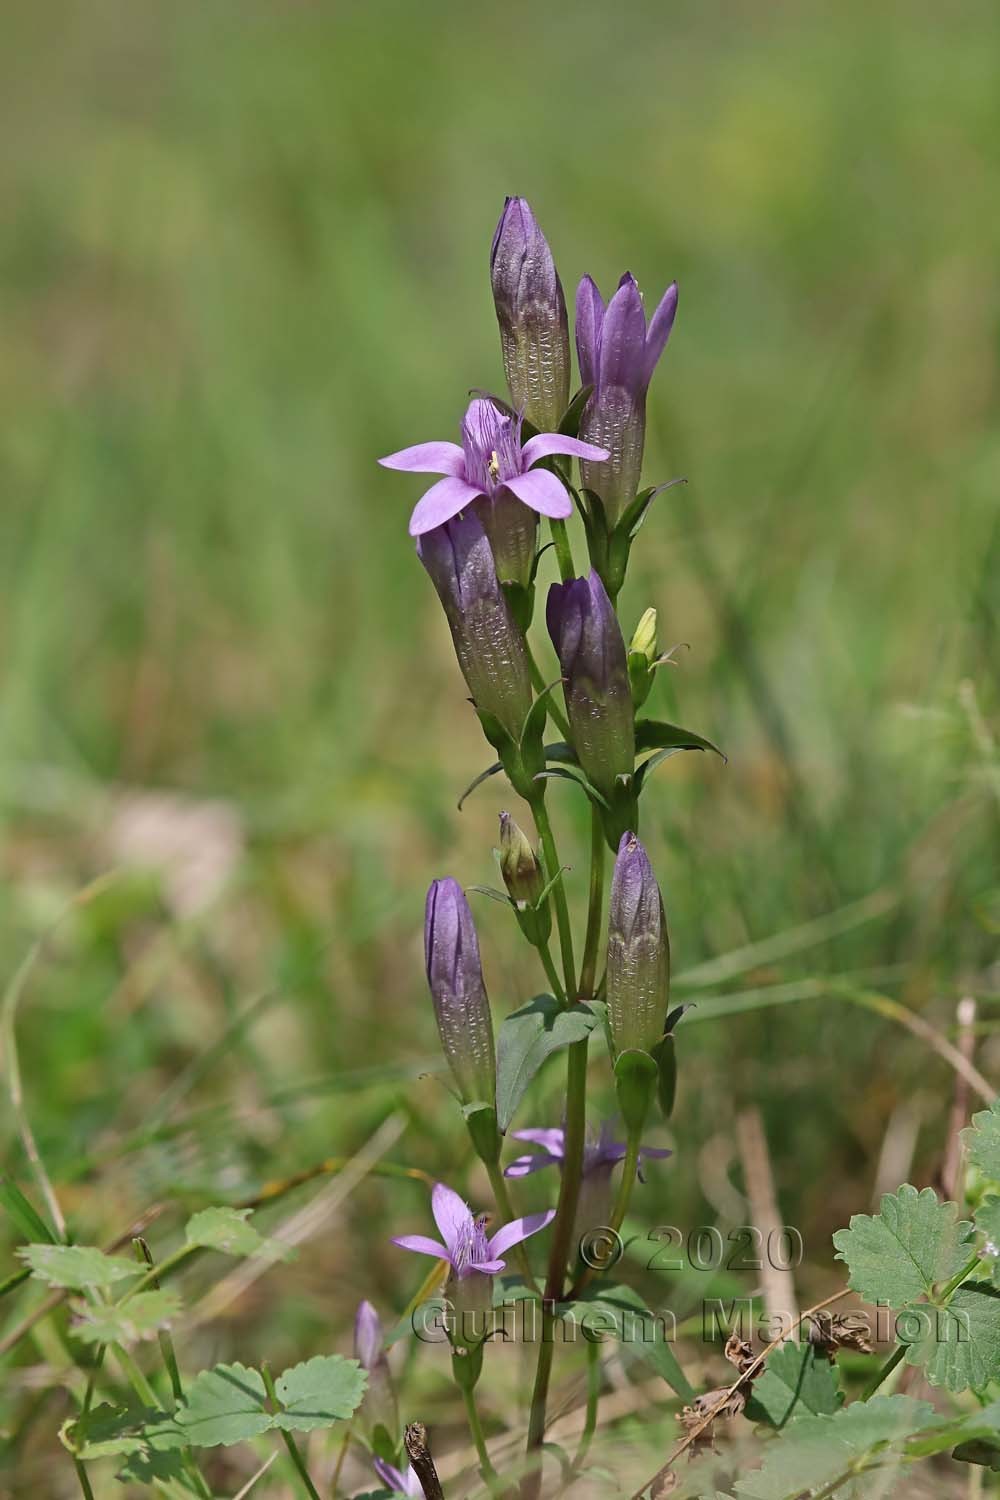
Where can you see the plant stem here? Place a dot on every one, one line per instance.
(593, 1400)
(288, 1440)
(506, 1211)
(884, 1371)
(545, 954)
(541, 816)
(555, 712)
(135, 1377)
(81, 1475)
(588, 968)
(564, 552)
(629, 1169)
(490, 1475)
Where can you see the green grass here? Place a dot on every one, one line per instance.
(243, 251)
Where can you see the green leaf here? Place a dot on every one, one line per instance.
(524, 1041)
(900, 1254)
(621, 1312)
(76, 1267)
(107, 1431)
(987, 1217)
(224, 1405)
(319, 1392)
(795, 1382)
(139, 1318)
(478, 781)
(26, 1217)
(981, 1140)
(152, 1467)
(813, 1451)
(957, 1346)
(226, 1229)
(573, 773)
(655, 734)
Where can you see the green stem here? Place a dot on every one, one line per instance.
(490, 1475)
(564, 552)
(629, 1169)
(884, 1371)
(81, 1475)
(593, 1400)
(545, 954)
(956, 1281)
(135, 1377)
(541, 816)
(506, 1211)
(288, 1440)
(555, 712)
(588, 968)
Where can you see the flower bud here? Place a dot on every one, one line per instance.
(588, 641)
(617, 355)
(638, 979)
(641, 656)
(531, 312)
(525, 880)
(455, 977)
(489, 646)
(378, 1409)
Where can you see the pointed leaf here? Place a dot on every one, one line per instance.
(28, 1220)
(901, 1253)
(319, 1392)
(573, 773)
(641, 1331)
(570, 424)
(478, 781)
(560, 751)
(526, 1039)
(76, 1267)
(656, 734)
(795, 1382)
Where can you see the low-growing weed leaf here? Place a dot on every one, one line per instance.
(141, 1317)
(957, 1346)
(152, 1467)
(226, 1229)
(318, 1392)
(981, 1140)
(620, 1312)
(109, 1431)
(224, 1405)
(900, 1253)
(526, 1039)
(813, 1451)
(75, 1268)
(795, 1382)
(26, 1217)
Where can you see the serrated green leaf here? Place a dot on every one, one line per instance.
(901, 1253)
(226, 1229)
(639, 1330)
(76, 1267)
(813, 1451)
(152, 1467)
(140, 1317)
(526, 1039)
(981, 1140)
(224, 1405)
(957, 1346)
(795, 1382)
(318, 1392)
(107, 1431)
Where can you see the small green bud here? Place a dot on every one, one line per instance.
(641, 658)
(524, 878)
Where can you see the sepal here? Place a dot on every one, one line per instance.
(481, 1123)
(635, 1083)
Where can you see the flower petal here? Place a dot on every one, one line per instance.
(422, 1245)
(653, 1153)
(534, 1161)
(391, 1476)
(623, 340)
(540, 489)
(546, 443)
(442, 501)
(452, 1214)
(487, 1267)
(551, 1138)
(660, 325)
(589, 317)
(427, 458)
(518, 1230)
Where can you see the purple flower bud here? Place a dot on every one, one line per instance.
(638, 979)
(367, 1336)
(617, 355)
(490, 648)
(531, 311)
(588, 641)
(378, 1409)
(455, 977)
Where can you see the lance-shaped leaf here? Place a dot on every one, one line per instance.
(957, 1346)
(904, 1251)
(26, 1217)
(76, 1267)
(795, 1382)
(655, 734)
(981, 1140)
(621, 1313)
(526, 1039)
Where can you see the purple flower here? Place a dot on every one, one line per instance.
(455, 977)
(588, 641)
(489, 646)
(491, 461)
(464, 1243)
(531, 312)
(600, 1154)
(638, 974)
(617, 356)
(398, 1482)
(367, 1336)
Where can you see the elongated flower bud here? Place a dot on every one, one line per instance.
(531, 312)
(641, 656)
(378, 1409)
(455, 977)
(489, 646)
(617, 355)
(638, 952)
(588, 641)
(525, 880)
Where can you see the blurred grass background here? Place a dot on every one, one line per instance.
(243, 251)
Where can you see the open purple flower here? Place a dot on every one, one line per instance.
(617, 355)
(465, 1245)
(600, 1154)
(398, 1482)
(492, 460)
